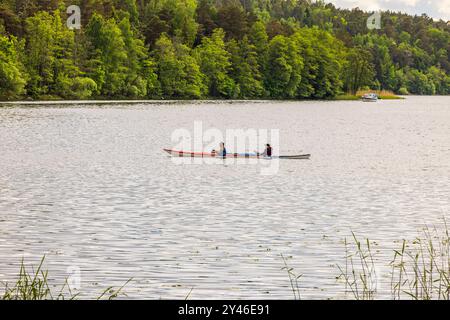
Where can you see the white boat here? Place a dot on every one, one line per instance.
(369, 97)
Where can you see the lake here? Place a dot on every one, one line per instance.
(89, 186)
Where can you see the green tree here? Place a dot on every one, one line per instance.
(77, 88)
(108, 66)
(182, 22)
(155, 21)
(304, 49)
(178, 72)
(140, 78)
(232, 18)
(284, 66)
(324, 58)
(304, 42)
(358, 70)
(418, 83)
(245, 69)
(12, 77)
(215, 64)
(10, 22)
(130, 8)
(206, 14)
(440, 79)
(379, 47)
(119, 61)
(50, 59)
(40, 47)
(174, 17)
(259, 38)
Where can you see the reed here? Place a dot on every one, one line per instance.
(346, 97)
(293, 279)
(34, 285)
(421, 269)
(359, 273)
(29, 286)
(382, 94)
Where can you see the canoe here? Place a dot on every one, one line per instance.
(190, 154)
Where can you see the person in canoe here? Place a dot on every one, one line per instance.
(267, 151)
(222, 150)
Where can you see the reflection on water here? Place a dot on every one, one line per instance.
(89, 186)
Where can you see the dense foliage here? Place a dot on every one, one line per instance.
(279, 49)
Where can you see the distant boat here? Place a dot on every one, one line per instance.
(369, 97)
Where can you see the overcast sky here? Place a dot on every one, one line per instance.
(437, 9)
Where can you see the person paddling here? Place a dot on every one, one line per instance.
(222, 151)
(267, 151)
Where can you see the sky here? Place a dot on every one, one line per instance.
(437, 9)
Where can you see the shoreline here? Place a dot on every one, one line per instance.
(194, 101)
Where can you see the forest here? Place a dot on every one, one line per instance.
(220, 49)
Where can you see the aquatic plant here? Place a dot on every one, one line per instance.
(359, 272)
(421, 269)
(293, 279)
(34, 285)
(382, 94)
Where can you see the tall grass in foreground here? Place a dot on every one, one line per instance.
(420, 269)
(35, 286)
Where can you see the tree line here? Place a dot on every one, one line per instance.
(192, 49)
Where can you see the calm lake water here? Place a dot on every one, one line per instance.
(90, 187)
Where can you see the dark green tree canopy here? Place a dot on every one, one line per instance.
(280, 49)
